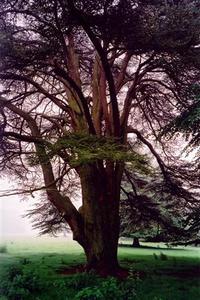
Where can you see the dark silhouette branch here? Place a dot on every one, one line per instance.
(151, 148)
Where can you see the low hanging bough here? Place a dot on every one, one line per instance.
(80, 93)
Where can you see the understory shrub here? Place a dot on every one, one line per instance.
(3, 249)
(20, 283)
(24, 261)
(23, 282)
(83, 280)
(163, 256)
(109, 289)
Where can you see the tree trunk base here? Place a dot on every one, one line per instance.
(136, 242)
(106, 271)
(118, 272)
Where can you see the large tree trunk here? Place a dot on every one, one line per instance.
(100, 212)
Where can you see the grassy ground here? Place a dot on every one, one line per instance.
(30, 269)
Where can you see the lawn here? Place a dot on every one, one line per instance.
(39, 268)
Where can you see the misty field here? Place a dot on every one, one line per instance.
(48, 268)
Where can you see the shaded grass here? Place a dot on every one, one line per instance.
(175, 278)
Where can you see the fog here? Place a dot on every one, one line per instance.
(12, 209)
(13, 222)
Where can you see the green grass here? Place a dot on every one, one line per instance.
(3, 249)
(31, 265)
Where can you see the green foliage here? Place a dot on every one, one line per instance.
(188, 122)
(25, 261)
(86, 148)
(109, 289)
(21, 283)
(155, 256)
(3, 249)
(153, 208)
(150, 278)
(163, 256)
(90, 293)
(14, 271)
(82, 280)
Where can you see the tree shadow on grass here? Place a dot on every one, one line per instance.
(151, 247)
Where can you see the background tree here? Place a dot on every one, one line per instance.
(149, 210)
(76, 83)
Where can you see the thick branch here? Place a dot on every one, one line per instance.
(63, 204)
(24, 138)
(105, 64)
(12, 76)
(76, 88)
(122, 74)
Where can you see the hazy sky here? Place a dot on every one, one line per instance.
(11, 211)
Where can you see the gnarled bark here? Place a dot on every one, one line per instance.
(100, 212)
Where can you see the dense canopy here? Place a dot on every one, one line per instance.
(87, 86)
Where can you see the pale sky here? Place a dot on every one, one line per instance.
(11, 211)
